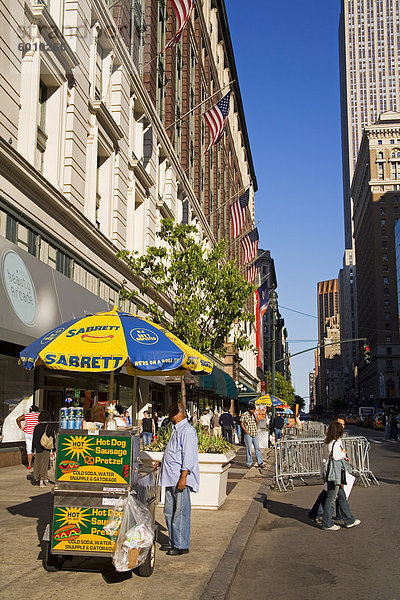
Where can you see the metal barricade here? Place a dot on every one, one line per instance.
(300, 458)
(312, 429)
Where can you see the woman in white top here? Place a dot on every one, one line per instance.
(337, 466)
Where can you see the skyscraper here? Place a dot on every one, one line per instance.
(369, 78)
(328, 333)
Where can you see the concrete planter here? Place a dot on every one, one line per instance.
(213, 477)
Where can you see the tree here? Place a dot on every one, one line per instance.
(206, 294)
(283, 389)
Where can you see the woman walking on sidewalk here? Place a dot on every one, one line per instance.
(42, 454)
(336, 467)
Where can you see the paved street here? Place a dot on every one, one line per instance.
(288, 557)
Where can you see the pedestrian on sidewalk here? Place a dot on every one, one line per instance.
(148, 428)
(179, 475)
(385, 422)
(205, 421)
(226, 423)
(393, 426)
(337, 465)
(237, 428)
(278, 426)
(250, 429)
(215, 426)
(42, 453)
(31, 420)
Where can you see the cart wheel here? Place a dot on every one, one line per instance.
(52, 562)
(147, 568)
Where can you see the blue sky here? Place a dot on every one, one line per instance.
(288, 67)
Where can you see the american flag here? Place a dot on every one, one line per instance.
(238, 213)
(182, 10)
(251, 273)
(252, 270)
(216, 119)
(250, 245)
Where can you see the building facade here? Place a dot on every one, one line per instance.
(376, 196)
(348, 323)
(94, 154)
(369, 47)
(328, 332)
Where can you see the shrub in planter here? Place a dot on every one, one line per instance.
(206, 444)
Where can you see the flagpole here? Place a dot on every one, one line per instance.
(200, 104)
(247, 232)
(252, 261)
(231, 198)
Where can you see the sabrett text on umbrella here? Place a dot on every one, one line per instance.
(72, 332)
(101, 363)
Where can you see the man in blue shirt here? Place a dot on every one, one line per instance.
(180, 476)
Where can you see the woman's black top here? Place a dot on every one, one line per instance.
(147, 425)
(50, 429)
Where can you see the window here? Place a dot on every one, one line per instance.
(386, 280)
(388, 338)
(185, 212)
(383, 221)
(379, 142)
(64, 263)
(41, 129)
(33, 243)
(389, 364)
(384, 257)
(388, 350)
(381, 171)
(98, 82)
(11, 229)
(387, 316)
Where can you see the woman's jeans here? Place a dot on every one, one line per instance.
(278, 434)
(147, 438)
(248, 442)
(345, 512)
(177, 509)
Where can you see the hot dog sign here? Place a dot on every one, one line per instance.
(77, 529)
(93, 458)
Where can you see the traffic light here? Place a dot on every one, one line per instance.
(367, 353)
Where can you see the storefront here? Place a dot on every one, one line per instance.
(35, 298)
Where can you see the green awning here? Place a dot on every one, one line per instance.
(218, 382)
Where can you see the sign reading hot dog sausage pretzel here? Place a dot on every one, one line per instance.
(77, 529)
(93, 458)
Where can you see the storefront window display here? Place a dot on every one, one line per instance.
(15, 384)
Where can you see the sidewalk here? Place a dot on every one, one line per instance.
(216, 543)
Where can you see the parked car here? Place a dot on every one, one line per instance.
(352, 419)
(368, 420)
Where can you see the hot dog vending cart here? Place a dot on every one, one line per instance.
(94, 470)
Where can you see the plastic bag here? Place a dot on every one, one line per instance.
(135, 535)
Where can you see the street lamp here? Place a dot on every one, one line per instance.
(273, 304)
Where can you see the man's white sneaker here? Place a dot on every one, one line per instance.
(356, 522)
(333, 528)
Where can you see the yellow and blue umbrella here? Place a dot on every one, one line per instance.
(107, 341)
(269, 400)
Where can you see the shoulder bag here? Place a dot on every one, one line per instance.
(47, 441)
